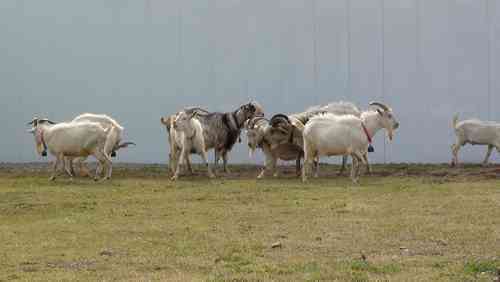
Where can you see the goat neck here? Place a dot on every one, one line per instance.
(371, 119)
(42, 134)
(239, 117)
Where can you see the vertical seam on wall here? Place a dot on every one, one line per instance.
(382, 64)
(348, 31)
(315, 55)
(488, 55)
(179, 49)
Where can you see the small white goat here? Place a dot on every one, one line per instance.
(334, 135)
(73, 139)
(191, 139)
(175, 144)
(475, 132)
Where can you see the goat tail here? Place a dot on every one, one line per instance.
(167, 122)
(455, 121)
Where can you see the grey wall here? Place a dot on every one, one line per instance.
(137, 60)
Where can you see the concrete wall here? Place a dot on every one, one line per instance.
(137, 60)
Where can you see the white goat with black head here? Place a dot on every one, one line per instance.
(190, 137)
(72, 140)
(334, 135)
(475, 132)
(260, 135)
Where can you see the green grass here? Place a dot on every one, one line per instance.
(414, 224)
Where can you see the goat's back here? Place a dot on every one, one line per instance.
(216, 132)
(76, 138)
(331, 134)
(478, 132)
(103, 119)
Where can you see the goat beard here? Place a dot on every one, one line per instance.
(390, 134)
(39, 144)
(39, 148)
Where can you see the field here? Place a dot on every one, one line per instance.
(404, 223)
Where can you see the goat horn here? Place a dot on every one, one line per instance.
(252, 122)
(47, 120)
(195, 109)
(129, 143)
(33, 121)
(124, 145)
(384, 107)
(277, 117)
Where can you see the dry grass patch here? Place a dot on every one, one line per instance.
(142, 227)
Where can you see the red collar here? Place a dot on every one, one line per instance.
(367, 133)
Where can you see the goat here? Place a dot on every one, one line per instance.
(222, 130)
(259, 135)
(74, 139)
(114, 136)
(288, 125)
(475, 132)
(330, 135)
(175, 144)
(190, 136)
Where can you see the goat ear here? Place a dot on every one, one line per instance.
(380, 112)
(192, 115)
(165, 121)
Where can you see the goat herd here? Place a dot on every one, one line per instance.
(336, 129)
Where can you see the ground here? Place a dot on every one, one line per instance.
(405, 223)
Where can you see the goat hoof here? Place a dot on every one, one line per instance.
(173, 178)
(211, 176)
(53, 178)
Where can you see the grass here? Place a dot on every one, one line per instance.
(408, 223)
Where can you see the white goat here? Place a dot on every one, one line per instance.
(289, 124)
(175, 144)
(475, 132)
(114, 137)
(190, 136)
(74, 139)
(334, 135)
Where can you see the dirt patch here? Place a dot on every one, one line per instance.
(437, 172)
(73, 265)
